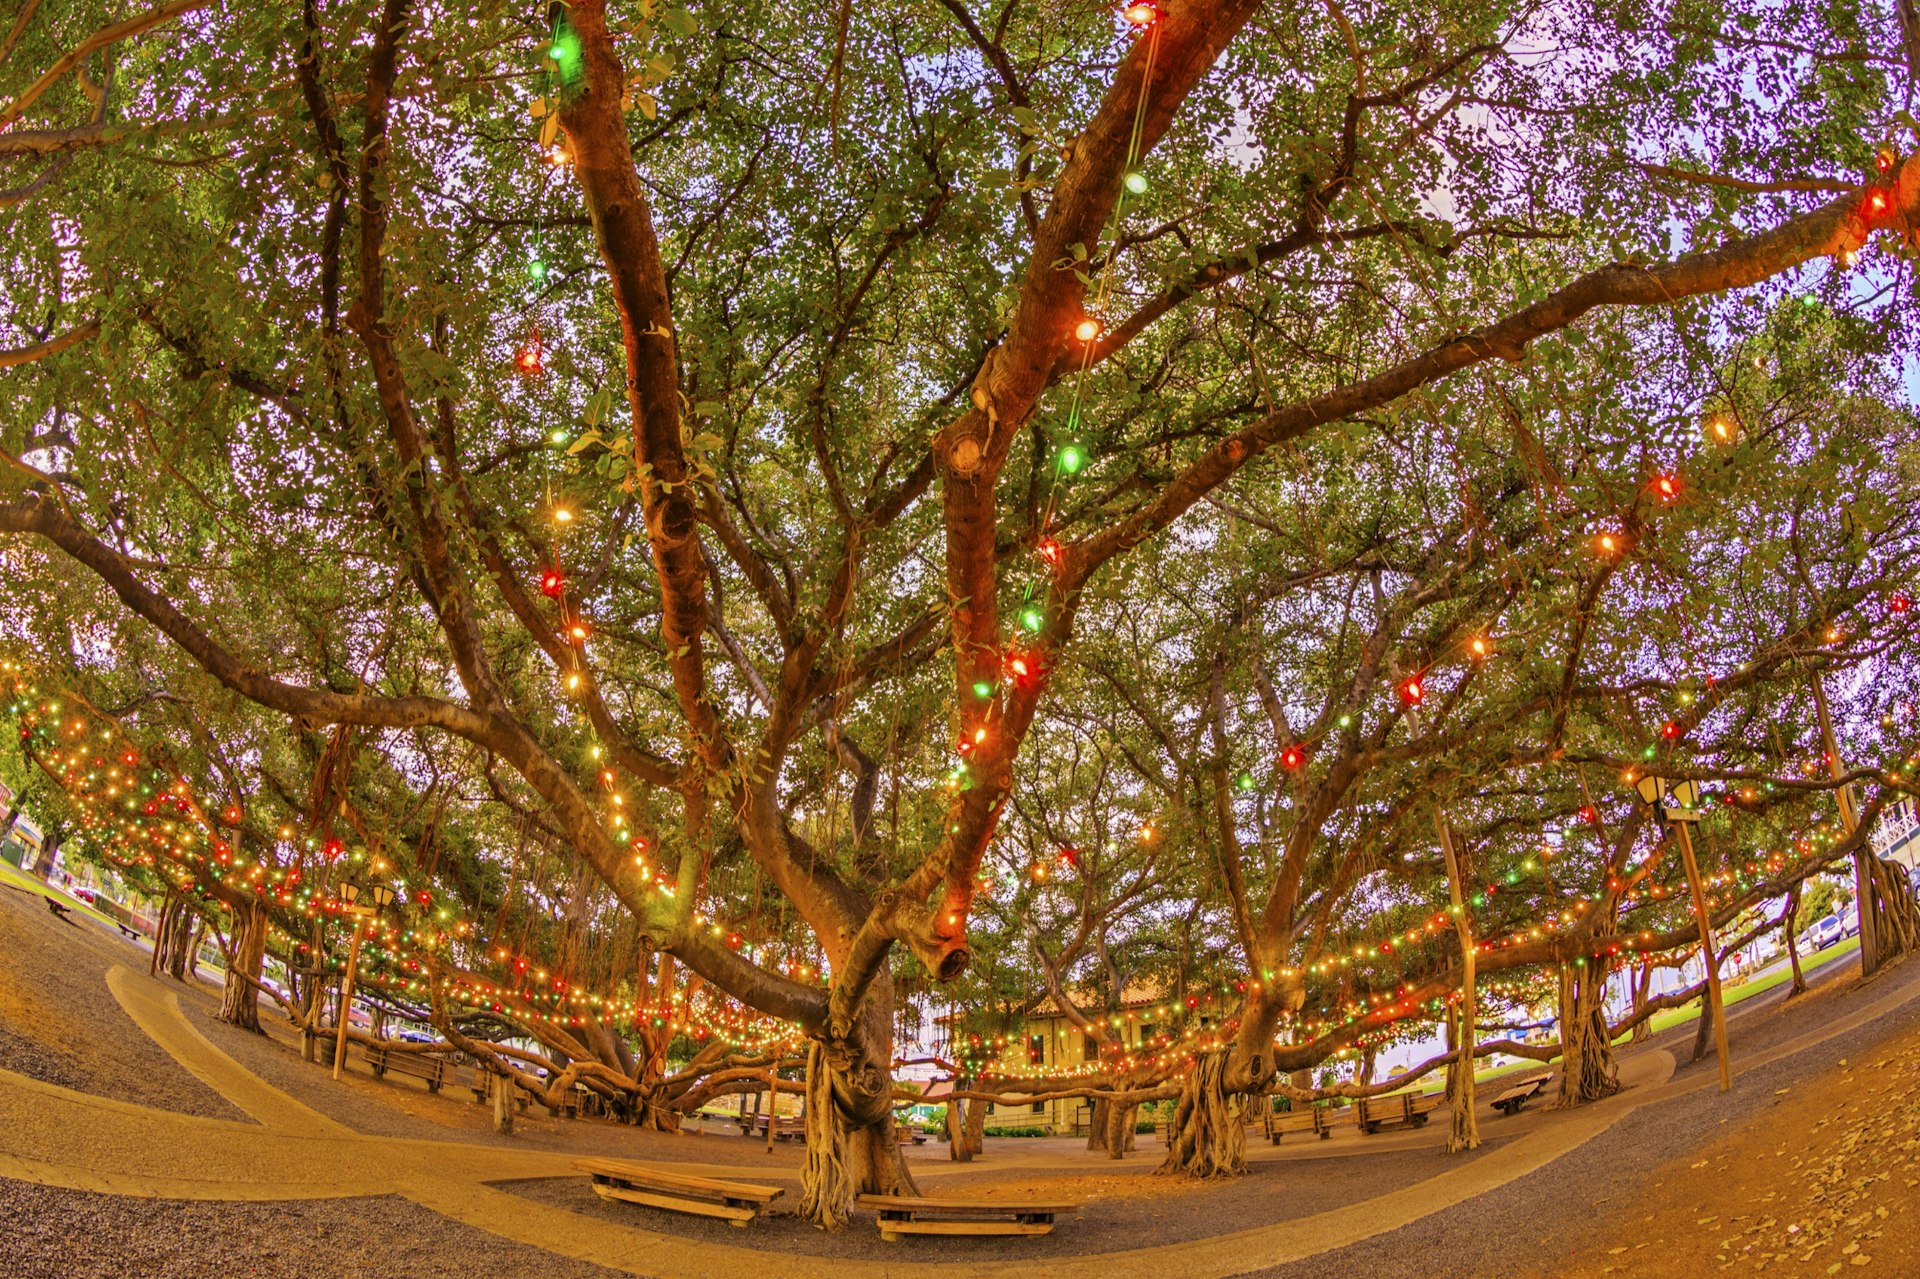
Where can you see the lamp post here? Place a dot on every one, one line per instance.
(381, 897)
(1677, 803)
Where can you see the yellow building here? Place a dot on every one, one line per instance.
(1050, 1048)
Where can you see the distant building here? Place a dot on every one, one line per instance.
(1051, 1049)
(1896, 836)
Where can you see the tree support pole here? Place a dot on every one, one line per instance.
(346, 996)
(1464, 1133)
(1707, 955)
(1864, 891)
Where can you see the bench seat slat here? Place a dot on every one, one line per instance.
(892, 1229)
(731, 1213)
(957, 1207)
(644, 1175)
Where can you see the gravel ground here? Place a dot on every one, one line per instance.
(1533, 1225)
(1126, 1208)
(68, 1234)
(60, 1024)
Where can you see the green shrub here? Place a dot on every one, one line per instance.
(1018, 1132)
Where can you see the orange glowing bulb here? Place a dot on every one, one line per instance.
(1087, 330)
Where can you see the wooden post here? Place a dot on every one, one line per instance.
(1862, 869)
(1464, 1132)
(1707, 955)
(346, 995)
(773, 1107)
(502, 1102)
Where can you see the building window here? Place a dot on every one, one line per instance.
(1146, 1033)
(1039, 1107)
(1036, 1050)
(1089, 1048)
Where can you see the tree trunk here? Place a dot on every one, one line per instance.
(1097, 1125)
(1703, 1030)
(959, 1146)
(1787, 922)
(190, 958)
(1642, 982)
(851, 1147)
(503, 1105)
(1118, 1135)
(976, 1143)
(1890, 901)
(1206, 1137)
(160, 929)
(240, 1001)
(1586, 1047)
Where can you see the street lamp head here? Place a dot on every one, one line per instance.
(349, 892)
(383, 896)
(1650, 788)
(1686, 794)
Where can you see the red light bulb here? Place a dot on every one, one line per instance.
(553, 583)
(1292, 757)
(1413, 690)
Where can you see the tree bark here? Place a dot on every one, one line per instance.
(1207, 1137)
(850, 1150)
(240, 1001)
(1587, 1071)
(976, 1143)
(1788, 920)
(503, 1104)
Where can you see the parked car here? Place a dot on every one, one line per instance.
(1823, 934)
(86, 895)
(1851, 922)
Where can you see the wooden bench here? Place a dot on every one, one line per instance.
(1411, 1109)
(485, 1081)
(1317, 1120)
(735, 1202)
(784, 1126)
(430, 1068)
(902, 1216)
(1513, 1099)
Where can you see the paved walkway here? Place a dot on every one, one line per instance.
(80, 1141)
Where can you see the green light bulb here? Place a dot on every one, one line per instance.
(983, 689)
(1137, 182)
(559, 437)
(1033, 619)
(537, 269)
(1071, 459)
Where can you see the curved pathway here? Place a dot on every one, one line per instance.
(79, 1141)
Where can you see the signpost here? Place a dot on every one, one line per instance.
(1677, 804)
(350, 894)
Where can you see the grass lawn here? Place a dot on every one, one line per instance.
(1671, 1017)
(15, 877)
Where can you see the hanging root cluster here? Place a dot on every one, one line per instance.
(829, 1182)
(1896, 911)
(1586, 1042)
(1208, 1137)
